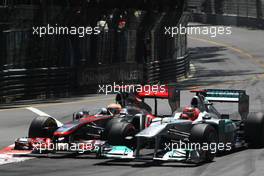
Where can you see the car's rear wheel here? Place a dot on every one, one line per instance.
(42, 127)
(254, 129)
(205, 134)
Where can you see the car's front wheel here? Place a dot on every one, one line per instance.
(205, 134)
(42, 127)
(122, 133)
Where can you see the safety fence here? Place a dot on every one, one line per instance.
(169, 59)
(131, 48)
(3, 2)
(168, 70)
(40, 83)
(89, 78)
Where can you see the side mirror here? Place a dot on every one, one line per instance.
(86, 112)
(73, 116)
(207, 117)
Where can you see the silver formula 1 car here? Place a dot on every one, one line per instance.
(198, 132)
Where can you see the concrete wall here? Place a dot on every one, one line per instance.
(247, 13)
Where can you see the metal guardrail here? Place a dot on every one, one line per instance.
(39, 83)
(167, 71)
(170, 57)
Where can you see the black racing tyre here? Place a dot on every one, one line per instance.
(254, 129)
(118, 133)
(42, 127)
(109, 125)
(205, 134)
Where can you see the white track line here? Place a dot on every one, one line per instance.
(38, 112)
(41, 113)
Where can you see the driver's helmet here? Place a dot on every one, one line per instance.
(79, 115)
(114, 108)
(124, 112)
(190, 113)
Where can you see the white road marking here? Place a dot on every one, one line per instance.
(41, 113)
(38, 112)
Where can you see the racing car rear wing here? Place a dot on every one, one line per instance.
(228, 96)
(169, 92)
(148, 91)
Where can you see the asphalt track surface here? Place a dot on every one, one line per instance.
(235, 62)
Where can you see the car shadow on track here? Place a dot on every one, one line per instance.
(59, 156)
(146, 163)
(137, 163)
(226, 153)
(143, 163)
